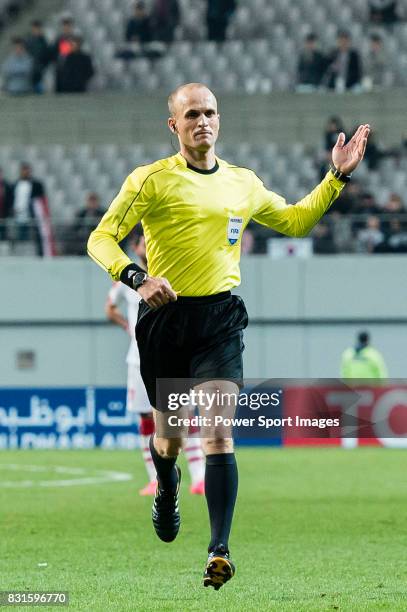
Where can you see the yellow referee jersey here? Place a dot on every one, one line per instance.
(193, 221)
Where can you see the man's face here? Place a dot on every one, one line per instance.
(196, 118)
(93, 202)
(343, 43)
(376, 46)
(19, 49)
(25, 172)
(310, 44)
(67, 28)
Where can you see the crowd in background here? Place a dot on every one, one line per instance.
(25, 218)
(146, 33)
(358, 221)
(152, 26)
(24, 67)
(343, 69)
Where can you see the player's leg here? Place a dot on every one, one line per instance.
(160, 358)
(138, 402)
(221, 479)
(165, 512)
(196, 460)
(218, 358)
(146, 429)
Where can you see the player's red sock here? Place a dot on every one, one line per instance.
(146, 428)
(195, 457)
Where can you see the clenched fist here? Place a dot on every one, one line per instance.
(157, 291)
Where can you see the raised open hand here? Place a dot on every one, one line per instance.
(346, 157)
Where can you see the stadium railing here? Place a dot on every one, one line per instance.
(334, 234)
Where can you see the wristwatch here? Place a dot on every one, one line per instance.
(139, 278)
(345, 178)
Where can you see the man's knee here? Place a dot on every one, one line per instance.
(168, 447)
(216, 446)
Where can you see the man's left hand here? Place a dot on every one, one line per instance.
(346, 157)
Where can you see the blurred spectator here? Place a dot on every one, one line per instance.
(138, 28)
(39, 49)
(366, 205)
(247, 245)
(394, 204)
(86, 219)
(261, 236)
(342, 234)
(6, 202)
(396, 241)
(374, 152)
(76, 70)
(61, 48)
(370, 236)
(31, 212)
(17, 69)
(333, 128)
(393, 207)
(348, 199)
(344, 67)
(139, 36)
(376, 64)
(383, 12)
(311, 65)
(165, 15)
(218, 16)
(322, 239)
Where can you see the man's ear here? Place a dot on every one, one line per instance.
(172, 125)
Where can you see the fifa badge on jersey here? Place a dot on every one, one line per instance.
(234, 228)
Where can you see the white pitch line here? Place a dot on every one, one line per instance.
(100, 476)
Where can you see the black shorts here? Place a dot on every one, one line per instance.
(192, 338)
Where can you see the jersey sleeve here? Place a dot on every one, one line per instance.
(298, 219)
(126, 210)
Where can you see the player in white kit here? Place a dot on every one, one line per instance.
(137, 400)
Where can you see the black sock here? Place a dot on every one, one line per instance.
(221, 479)
(165, 467)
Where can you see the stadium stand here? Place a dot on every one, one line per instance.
(71, 172)
(9, 9)
(260, 55)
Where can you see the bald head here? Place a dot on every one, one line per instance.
(194, 118)
(184, 94)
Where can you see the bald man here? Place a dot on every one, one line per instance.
(194, 208)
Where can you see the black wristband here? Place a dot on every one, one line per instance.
(126, 275)
(345, 178)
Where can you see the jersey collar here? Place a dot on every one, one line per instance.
(198, 170)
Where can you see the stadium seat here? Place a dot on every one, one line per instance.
(70, 172)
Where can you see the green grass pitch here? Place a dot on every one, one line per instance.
(314, 529)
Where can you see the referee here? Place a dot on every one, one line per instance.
(194, 208)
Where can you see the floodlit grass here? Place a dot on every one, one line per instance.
(315, 529)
